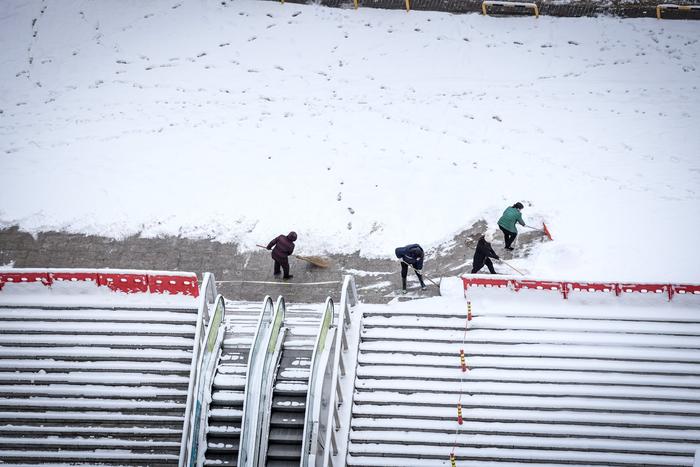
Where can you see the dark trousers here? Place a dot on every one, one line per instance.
(404, 273)
(480, 264)
(284, 264)
(509, 236)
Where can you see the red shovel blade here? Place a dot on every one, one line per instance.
(546, 231)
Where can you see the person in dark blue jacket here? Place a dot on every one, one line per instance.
(411, 255)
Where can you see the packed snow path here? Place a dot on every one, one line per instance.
(550, 382)
(95, 385)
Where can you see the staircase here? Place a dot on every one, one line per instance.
(553, 383)
(291, 386)
(226, 409)
(94, 385)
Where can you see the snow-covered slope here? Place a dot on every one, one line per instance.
(359, 129)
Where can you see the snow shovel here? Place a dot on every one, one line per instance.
(315, 260)
(511, 267)
(422, 274)
(544, 230)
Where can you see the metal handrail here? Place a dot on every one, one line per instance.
(207, 371)
(206, 299)
(348, 298)
(256, 382)
(317, 414)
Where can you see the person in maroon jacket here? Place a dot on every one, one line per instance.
(282, 247)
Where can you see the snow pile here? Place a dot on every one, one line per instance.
(361, 130)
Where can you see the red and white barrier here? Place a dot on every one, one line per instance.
(567, 287)
(128, 281)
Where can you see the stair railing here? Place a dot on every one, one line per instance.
(207, 299)
(348, 299)
(207, 372)
(316, 419)
(259, 377)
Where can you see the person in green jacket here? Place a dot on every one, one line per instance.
(507, 223)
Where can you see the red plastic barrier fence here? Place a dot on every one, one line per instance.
(565, 288)
(128, 282)
(24, 278)
(185, 285)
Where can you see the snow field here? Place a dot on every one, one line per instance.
(114, 122)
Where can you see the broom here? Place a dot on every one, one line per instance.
(510, 266)
(315, 260)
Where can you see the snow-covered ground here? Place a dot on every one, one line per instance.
(361, 130)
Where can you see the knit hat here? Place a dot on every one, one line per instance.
(518, 205)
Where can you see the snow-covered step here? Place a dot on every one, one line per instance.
(97, 315)
(47, 339)
(533, 350)
(525, 375)
(522, 442)
(621, 419)
(88, 377)
(108, 365)
(541, 363)
(526, 401)
(545, 428)
(515, 336)
(530, 323)
(97, 353)
(35, 431)
(667, 314)
(120, 328)
(379, 452)
(95, 390)
(91, 457)
(518, 388)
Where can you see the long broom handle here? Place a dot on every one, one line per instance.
(303, 258)
(417, 272)
(504, 262)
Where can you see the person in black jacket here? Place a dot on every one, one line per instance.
(482, 254)
(282, 246)
(410, 255)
